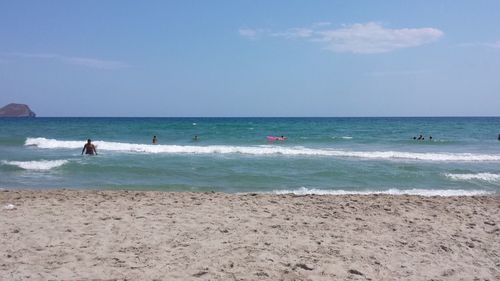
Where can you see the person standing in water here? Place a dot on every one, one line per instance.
(89, 148)
(155, 140)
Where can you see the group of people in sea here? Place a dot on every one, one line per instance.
(155, 140)
(269, 138)
(90, 149)
(275, 138)
(422, 138)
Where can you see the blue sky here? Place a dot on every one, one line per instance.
(251, 58)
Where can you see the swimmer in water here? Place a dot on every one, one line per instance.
(155, 140)
(195, 138)
(89, 148)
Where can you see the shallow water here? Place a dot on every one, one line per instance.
(321, 155)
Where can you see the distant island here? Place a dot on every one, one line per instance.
(16, 110)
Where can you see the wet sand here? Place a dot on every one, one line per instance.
(81, 235)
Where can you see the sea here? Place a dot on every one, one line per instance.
(234, 155)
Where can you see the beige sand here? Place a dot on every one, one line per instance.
(80, 235)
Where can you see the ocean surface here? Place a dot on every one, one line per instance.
(320, 155)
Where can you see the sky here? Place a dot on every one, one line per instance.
(251, 58)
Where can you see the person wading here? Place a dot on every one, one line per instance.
(89, 148)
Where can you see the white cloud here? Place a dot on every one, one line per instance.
(251, 33)
(247, 32)
(295, 33)
(374, 38)
(361, 38)
(81, 61)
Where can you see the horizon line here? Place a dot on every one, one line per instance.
(346, 116)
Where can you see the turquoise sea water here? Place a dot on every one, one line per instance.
(321, 155)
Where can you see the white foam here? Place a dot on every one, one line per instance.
(53, 143)
(344, 138)
(37, 165)
(392, 191)
(488, 177)
(262, 150)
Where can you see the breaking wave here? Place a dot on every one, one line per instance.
(344, 138)
(488, 177)
(393, 191)
(41, 165)
(261, 150)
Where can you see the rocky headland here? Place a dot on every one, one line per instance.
(16, 110)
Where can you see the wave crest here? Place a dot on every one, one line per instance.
(261, 150)
(37, 165)
(392, 191)
(488, 177)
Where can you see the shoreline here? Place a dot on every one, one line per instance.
(302, 191)
(66, 234)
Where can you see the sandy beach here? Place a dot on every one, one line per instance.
(116, 235)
